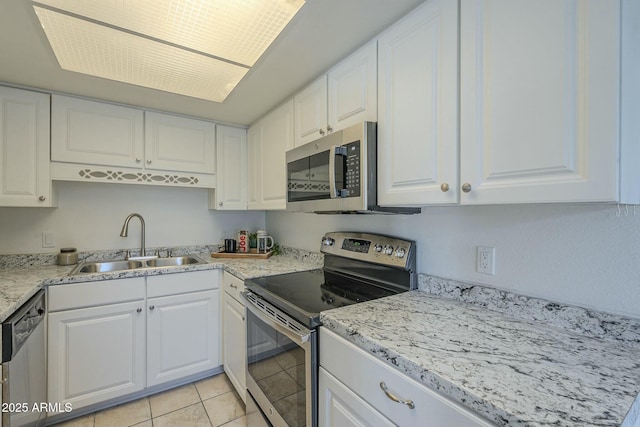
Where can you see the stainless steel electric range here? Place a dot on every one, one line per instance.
(283, 313)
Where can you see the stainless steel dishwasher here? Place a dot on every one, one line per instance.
(24, 378)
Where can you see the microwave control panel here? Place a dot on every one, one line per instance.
(352, 169)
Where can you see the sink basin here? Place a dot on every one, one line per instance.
(105, 267)
(109, 266)
(172, 261)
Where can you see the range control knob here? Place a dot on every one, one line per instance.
(401, 252)
(328, 241)
(388, 249)
(377, 247)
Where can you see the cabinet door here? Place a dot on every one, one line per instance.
(339, 406)
(24, 148)
(353, 89)
(376, 381)
(254, 165)
(183, 335)
(418, 107)
(96, 354)
(311, 112)
(539, 100)
(277, 138)
(179, 144)
(235, 344)
(96, 133)
(231, 172)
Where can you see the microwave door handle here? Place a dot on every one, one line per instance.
(333, 151)
(332, 172)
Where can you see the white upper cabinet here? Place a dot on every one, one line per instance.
(96, 133)
(311, 112)
(353, 90)
(98, 141)
(542, 111)
(269, 140)
(231, 153)
(418, 107)
(254, 166)
(179, 143)
(344, 96)
(540, 101)
(24, 149)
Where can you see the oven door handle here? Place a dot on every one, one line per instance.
(334, 151)
(301, 339)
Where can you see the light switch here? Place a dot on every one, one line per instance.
(48, 239)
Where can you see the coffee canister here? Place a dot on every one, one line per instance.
(67, 256)
(243, 241)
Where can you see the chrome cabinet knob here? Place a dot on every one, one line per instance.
(329, 128)
(148, 162)
(138, 159)
(444, 187)
(151, 307)
(220, 203)
(466, 187)
(42, 198)
(139, 310)
(321, 131)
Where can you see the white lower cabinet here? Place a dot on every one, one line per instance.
(182, 338)
(351, 383)
(96, 352)
(234, 333)
(341, 407)
(109, 339)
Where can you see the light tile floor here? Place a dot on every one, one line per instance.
(211, 402)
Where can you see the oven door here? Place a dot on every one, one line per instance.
(281, 366)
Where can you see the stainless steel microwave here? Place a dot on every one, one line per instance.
(337, 174)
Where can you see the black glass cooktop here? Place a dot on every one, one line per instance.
(303, 295)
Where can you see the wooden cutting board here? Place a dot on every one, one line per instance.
(253, 253)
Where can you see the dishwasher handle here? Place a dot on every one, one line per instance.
(17, 329)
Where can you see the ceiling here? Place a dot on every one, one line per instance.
(321, 34)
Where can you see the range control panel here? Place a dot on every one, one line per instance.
(376, 248)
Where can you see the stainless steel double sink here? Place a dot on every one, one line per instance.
(110, 266)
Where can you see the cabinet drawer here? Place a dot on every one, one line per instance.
(181, 283)
(88, 294)
(363, 374)
(233, 286)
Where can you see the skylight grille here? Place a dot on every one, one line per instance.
(199, 48)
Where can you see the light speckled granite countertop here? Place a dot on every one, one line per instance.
(499, 355)
(18, 284)
(517, 361)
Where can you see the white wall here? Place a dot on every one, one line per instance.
(90, 216)
(582, 255)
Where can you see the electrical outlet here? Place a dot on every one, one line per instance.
(486, 260)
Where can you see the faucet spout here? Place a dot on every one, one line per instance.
(125, 232)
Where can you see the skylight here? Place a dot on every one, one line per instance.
(197, 48)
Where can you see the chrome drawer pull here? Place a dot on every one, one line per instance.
(391, 396)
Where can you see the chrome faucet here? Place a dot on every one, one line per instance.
(125, 231)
